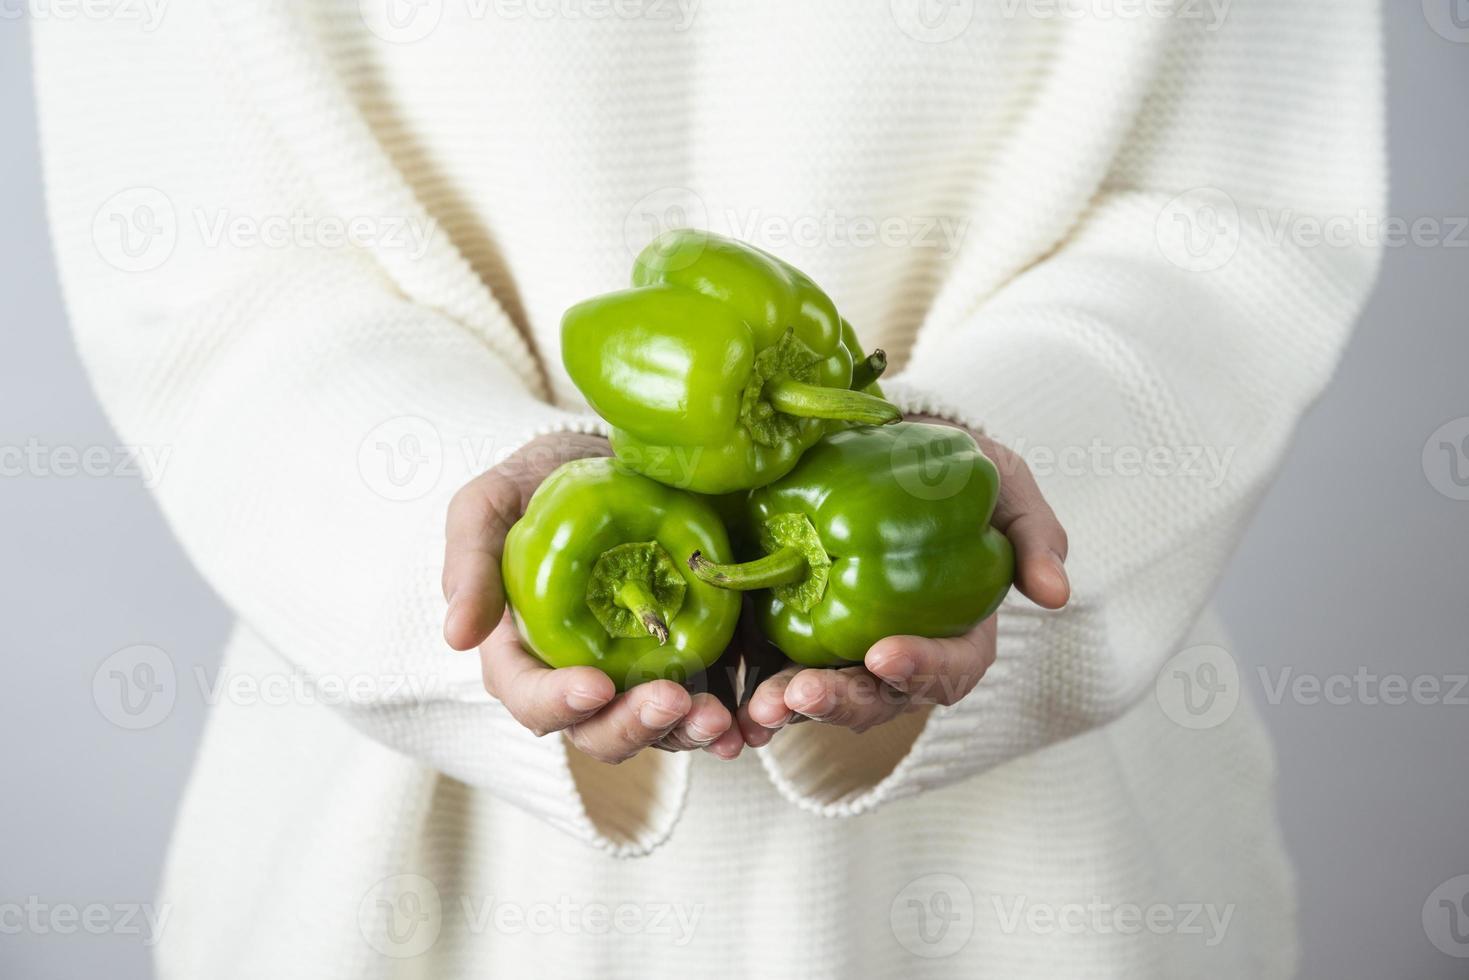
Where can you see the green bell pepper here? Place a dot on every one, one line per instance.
(591, 578)
(720, 367)
(876, 532)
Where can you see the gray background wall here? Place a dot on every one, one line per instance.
(1359, 560)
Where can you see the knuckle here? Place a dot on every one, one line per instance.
(467, 499)
(492, 687)
(962, 685)
(583, 744)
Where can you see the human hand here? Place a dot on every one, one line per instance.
(901, 673)
(581, 701)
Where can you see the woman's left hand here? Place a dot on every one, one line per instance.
(900, 673)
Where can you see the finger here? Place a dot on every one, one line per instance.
(729, 745)
(934, 671)
(706, 721)
(767, 706)
(480, 515)
(850, 697)
(752, 733)
(541, 699)
(1025, 517)
(632, 722)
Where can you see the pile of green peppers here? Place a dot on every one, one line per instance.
(755, 456)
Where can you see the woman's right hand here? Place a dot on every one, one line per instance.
(580, 701)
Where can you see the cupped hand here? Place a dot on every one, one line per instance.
(901, 673)
(580, 701)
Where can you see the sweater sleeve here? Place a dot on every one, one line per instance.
(1192, 280)
(261, 301)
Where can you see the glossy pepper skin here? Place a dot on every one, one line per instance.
(720, 366)
(595, 576)
(876, 532)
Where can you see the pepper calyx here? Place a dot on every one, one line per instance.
(785, 388)
(635, 590)
(795, 566)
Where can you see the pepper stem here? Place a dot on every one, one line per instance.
(634, 596)
(816, 402)
(781, 567)
(867, 371)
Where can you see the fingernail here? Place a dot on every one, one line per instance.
(701, 736)
(785, 720)
(821, 707)
(896, 671)
(654, 715)
(584, 701)
(760, 737)
(1058, 570)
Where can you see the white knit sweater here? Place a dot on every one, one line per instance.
(988, 188)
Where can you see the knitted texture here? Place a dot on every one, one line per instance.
(321, 254)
